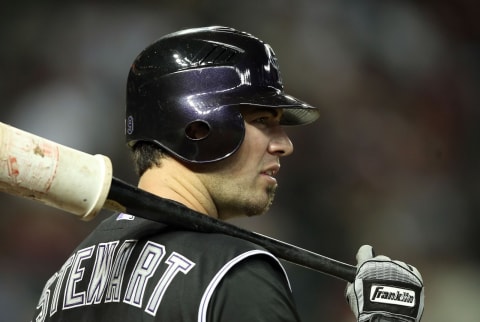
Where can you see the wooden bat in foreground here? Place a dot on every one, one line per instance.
(82, 184)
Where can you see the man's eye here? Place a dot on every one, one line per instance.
(262, 120)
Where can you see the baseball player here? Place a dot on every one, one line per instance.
(205, 121)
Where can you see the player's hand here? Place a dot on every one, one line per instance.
(385, 290)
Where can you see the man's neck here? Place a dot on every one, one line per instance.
(172, 180)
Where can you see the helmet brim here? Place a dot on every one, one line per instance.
(295, 111)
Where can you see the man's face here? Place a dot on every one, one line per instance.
(244, 184)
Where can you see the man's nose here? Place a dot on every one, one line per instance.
(280, 143)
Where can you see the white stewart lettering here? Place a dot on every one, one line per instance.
(43, 303)
(73, 297)
(176, 263)
(101, 270)
(147, 263)
(392, 295)
(104, 285)
(61, 275)
(118, 270)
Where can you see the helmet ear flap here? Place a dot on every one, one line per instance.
(216, 136)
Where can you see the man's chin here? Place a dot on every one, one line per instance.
(253, 208)
(260, 210)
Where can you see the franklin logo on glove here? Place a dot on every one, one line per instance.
(392, 295)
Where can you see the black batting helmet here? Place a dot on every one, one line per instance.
(201, 77)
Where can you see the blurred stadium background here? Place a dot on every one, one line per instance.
(393, 161)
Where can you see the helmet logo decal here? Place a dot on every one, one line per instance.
(129, 125)
(273, 67)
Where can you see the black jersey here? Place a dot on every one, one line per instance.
(132, 269)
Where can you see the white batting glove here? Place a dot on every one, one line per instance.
(385, 290)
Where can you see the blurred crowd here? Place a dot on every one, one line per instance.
(392, 162)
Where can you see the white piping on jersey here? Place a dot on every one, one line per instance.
(207, 296)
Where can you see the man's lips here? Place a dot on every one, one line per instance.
(272, 170)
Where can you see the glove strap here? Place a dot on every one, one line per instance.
(387, 318)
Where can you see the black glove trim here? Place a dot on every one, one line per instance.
(387, 318)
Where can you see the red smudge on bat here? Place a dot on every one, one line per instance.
(13, 170)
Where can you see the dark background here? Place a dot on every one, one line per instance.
(393, 161)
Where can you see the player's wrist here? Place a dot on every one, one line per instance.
(384, 317)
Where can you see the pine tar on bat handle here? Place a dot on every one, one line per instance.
(127, 198)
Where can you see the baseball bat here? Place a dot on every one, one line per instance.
(82, 184)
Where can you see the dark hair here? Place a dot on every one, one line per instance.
(146, 155)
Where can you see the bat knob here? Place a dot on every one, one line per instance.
(56, 175)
